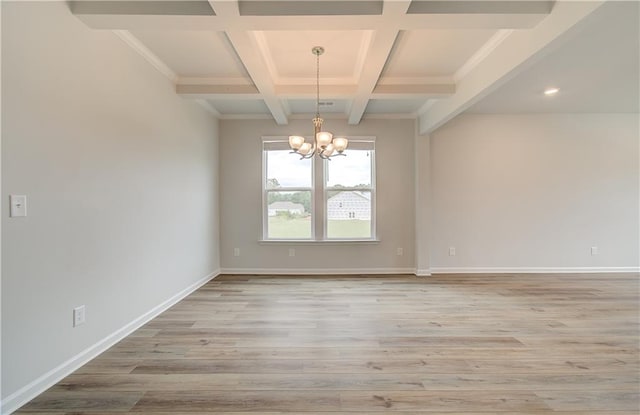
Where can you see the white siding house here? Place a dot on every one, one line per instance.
(290, 207)
(349, 205)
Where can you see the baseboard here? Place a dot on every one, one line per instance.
(428, 271)
(316, 271)
(530, 270)
(36, 387)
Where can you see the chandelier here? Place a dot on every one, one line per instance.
(324, 144)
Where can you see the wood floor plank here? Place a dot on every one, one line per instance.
(374, 401)
(319, 345)
(241, 381)
(58, 401)
(328, 381)
(214, 401)
(383, 412)
(593, 400)
(218, 366)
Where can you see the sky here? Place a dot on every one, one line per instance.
(349, 170)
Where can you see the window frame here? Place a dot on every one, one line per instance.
(319, 192)
(279, 144)
(364, 143)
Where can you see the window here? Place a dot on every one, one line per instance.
(316, 199)
(288, 194)
(349, 193)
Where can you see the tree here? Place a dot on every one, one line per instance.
(273, 183)
(304, 198)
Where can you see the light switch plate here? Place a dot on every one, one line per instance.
(18, 205)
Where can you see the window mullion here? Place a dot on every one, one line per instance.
(319, 208)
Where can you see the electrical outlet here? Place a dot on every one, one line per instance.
(594, 250)
(236, 251)
(18, 206)
(79, 316)
(452, 251)
(399, 251)
(292, 252)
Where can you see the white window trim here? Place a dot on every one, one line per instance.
(372, 189)
(318, 219)
(283, 142)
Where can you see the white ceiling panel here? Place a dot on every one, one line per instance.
(239, 106)
(425, 53)
(309, 8)
(194, 53)
(289, 54)
(308, 106)
(597, 70)
(394, 106)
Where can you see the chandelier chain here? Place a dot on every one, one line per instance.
(317, 85)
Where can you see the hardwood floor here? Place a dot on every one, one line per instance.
(526, 344)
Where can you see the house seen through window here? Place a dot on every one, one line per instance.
(315, 199)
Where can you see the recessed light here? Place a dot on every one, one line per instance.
(551, 91)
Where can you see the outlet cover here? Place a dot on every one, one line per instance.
(594, 250)
(452, 251)
(292, 252)
(18, 206)
(79, 316)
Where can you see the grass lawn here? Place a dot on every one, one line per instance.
(353, 228)
(282, 227)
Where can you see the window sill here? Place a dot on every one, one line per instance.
(319, 242)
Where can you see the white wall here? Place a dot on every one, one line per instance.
(241, 201)
(121, 179)
(423, 211)
(535, 191)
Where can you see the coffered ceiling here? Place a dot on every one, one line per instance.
(428, 60)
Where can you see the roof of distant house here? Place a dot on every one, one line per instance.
(364, 195)
(286, 205)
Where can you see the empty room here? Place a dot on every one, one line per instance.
(320, 207)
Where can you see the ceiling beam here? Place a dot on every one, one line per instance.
(375, 59)
(246, 46)
(106, 21)
(137, 15)
(218, 91)
(309, 91)
(147, 54)
(188, 89)
(514, 54)
(208, 107)
(413, 91)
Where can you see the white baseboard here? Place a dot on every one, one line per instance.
(316, 271)
(42, 383)
(427, 271)
(530, 270)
